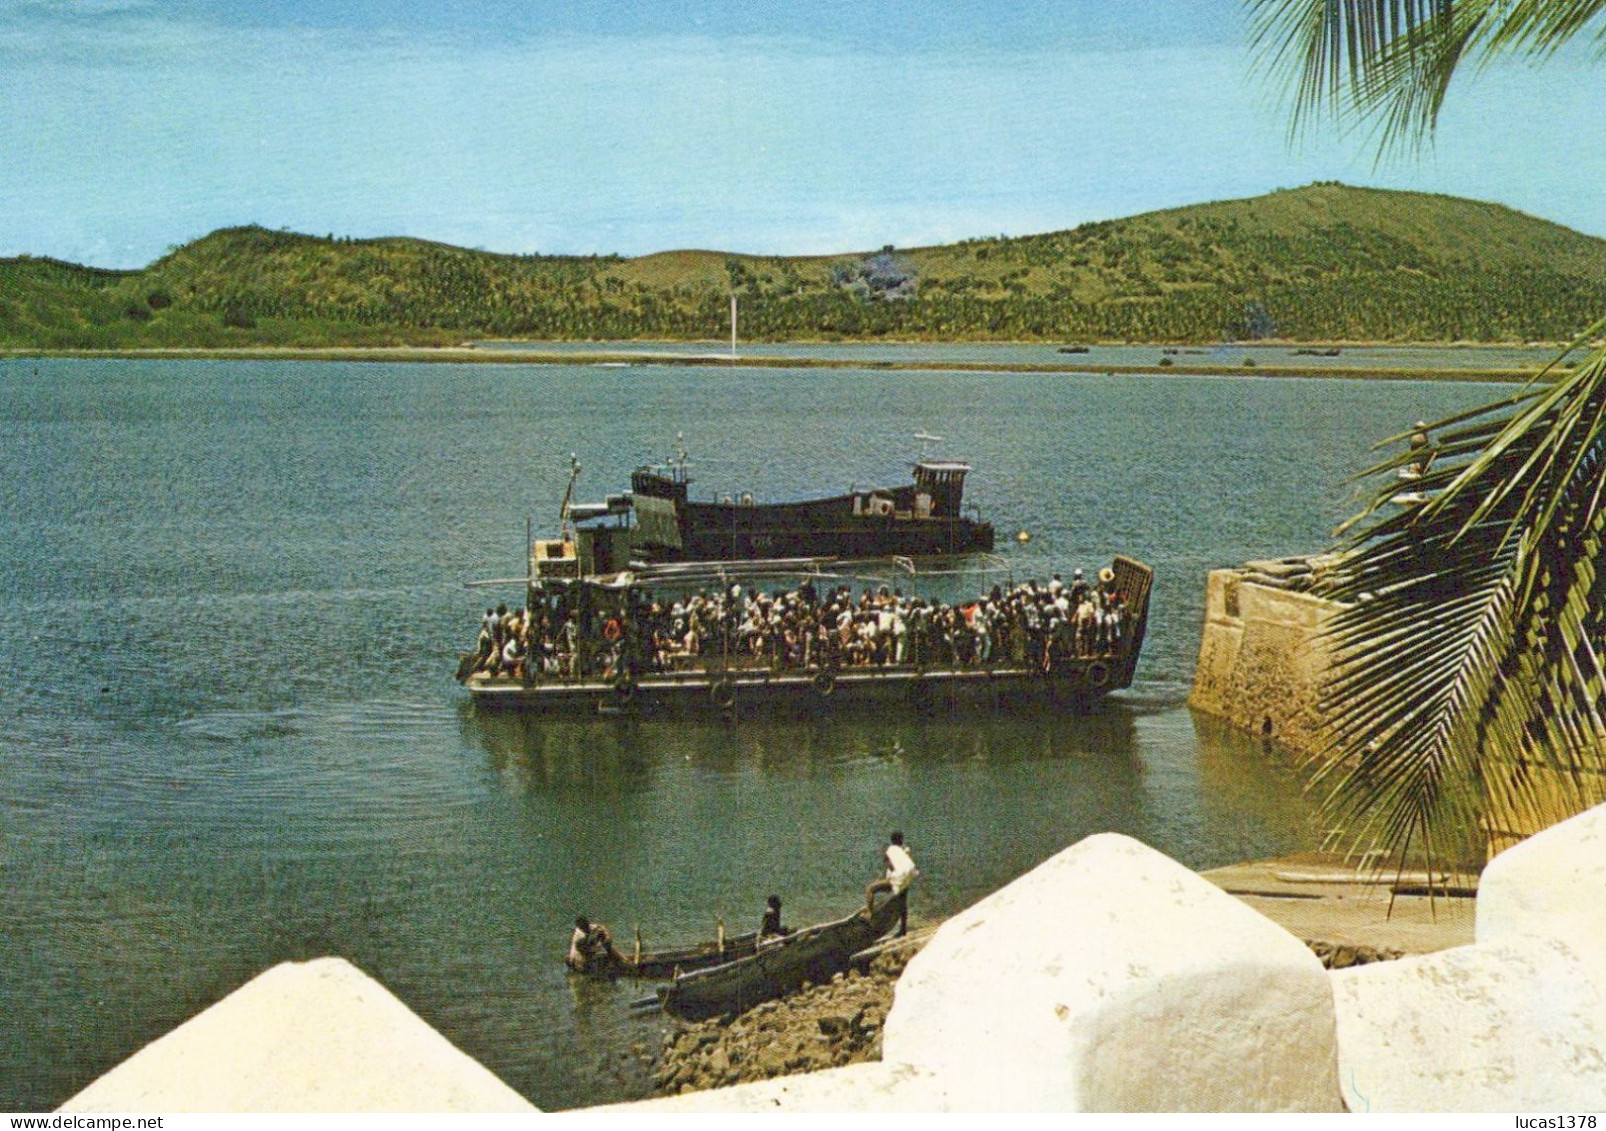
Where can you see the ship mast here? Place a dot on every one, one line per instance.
(564, 530)
(733, 325)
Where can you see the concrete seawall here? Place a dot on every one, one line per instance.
(1262, 665)
(1261, 659)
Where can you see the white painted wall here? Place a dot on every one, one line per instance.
(1111, 978)
(317, 1036)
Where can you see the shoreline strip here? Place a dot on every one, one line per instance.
(468, 356)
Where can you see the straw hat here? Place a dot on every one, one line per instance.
(1106, 575)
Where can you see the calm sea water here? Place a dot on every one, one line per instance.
(232, 598)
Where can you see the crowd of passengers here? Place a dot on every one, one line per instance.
(569, 633)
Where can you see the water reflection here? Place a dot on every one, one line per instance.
(624, 754)
(542, 753)
(1250, 783)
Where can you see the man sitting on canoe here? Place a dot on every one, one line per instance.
(771, 926)
(901, 872)
(591, 945)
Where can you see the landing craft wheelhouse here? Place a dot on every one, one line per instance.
(923, 518)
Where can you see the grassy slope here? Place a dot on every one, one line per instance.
(1321, 262)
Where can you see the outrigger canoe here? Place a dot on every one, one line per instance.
(779, 966)
(672, 962)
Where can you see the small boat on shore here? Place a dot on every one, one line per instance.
(671, 962)
(780, 965)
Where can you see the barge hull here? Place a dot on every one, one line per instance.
(1072, 683)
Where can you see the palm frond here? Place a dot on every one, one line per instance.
(1389, 63)
(1467, 687)
(1538, 28)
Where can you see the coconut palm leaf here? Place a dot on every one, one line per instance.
(1467, 687)
(1389, 63)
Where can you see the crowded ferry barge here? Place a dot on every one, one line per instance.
(621, 642)
(600, 632)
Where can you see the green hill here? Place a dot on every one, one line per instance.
(1324, 262)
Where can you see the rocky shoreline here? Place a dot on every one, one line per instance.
(824, 1026)
(832, 1025)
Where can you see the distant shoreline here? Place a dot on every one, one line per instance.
(536, 355)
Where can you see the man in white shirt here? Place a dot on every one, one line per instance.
(901, 872)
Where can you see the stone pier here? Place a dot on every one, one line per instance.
(1261, 659)
(1262, 664)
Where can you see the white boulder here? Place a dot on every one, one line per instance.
(1518, 1025)
(317, 1036)
(865, 1088)
(1553, 884)
(1111, 978)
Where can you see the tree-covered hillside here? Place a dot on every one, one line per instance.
(1325, 262)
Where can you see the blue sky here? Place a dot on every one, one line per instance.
(129, 126)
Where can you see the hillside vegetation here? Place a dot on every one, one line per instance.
(1324, 262)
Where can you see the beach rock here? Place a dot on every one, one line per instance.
(1341, 956)
(835, 1024)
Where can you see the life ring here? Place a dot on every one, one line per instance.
(624, 690)
(824, 683)
(611, 630)
(722, 693)
(1098, 674)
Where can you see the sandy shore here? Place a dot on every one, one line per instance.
(535, 355)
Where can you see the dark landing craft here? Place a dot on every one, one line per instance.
(923, 518)
(608, 674)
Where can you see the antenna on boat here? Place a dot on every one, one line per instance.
(733, 325)
(677, 462)
(926, 438)
(568, 493)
